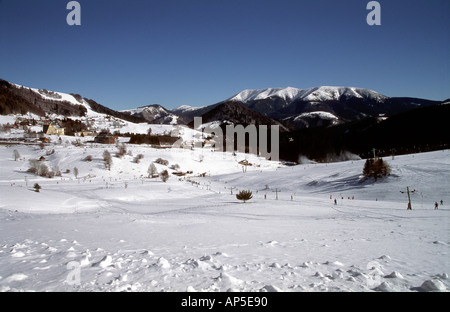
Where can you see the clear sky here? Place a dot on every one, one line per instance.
(133, 53)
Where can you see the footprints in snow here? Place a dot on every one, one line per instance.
(32, 265)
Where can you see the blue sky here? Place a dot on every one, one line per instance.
(198, 52)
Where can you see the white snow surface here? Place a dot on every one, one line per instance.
(121, 231)
(185, 108)
(323, 115)
(317, 94)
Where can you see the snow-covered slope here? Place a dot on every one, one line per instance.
(324, 115)
(61, 97)
(126, 232)
(185, 108)
(312, 119)
(52, 95)
(188, 113)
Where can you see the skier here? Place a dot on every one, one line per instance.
(436, 206)
(335, 202)
(442, 202)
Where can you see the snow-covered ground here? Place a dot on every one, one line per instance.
(121, 231)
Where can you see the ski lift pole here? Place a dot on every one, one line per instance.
(409, 197)
(276, 191)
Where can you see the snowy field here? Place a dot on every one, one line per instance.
(121, 231)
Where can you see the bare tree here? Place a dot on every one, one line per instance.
(34, 166)
(43, 170)
(122, 150)
(152, 171)
(16, 155)
(138, 158)
(107, 159)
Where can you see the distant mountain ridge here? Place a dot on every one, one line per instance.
(235, 113)
(319, 106)
(156, 114)
(289, 107)
(343, 104)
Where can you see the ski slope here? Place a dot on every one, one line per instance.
(126, 232)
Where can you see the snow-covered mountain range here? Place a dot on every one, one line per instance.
(292, 107)
(318, 94)
(319, 106)
(324, 106)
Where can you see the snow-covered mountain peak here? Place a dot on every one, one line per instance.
(185, 108)
(154, 113)
(317, 94)
(327, 93)
(287, 94)
(154, 109)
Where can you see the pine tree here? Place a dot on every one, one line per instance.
(244, 195)
(367, 170)
(37, 187)
(376, 168)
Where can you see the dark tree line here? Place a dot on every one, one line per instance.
(73, 126)
(12, 103)
(24, 100)
(419, 130)
(152, 139)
